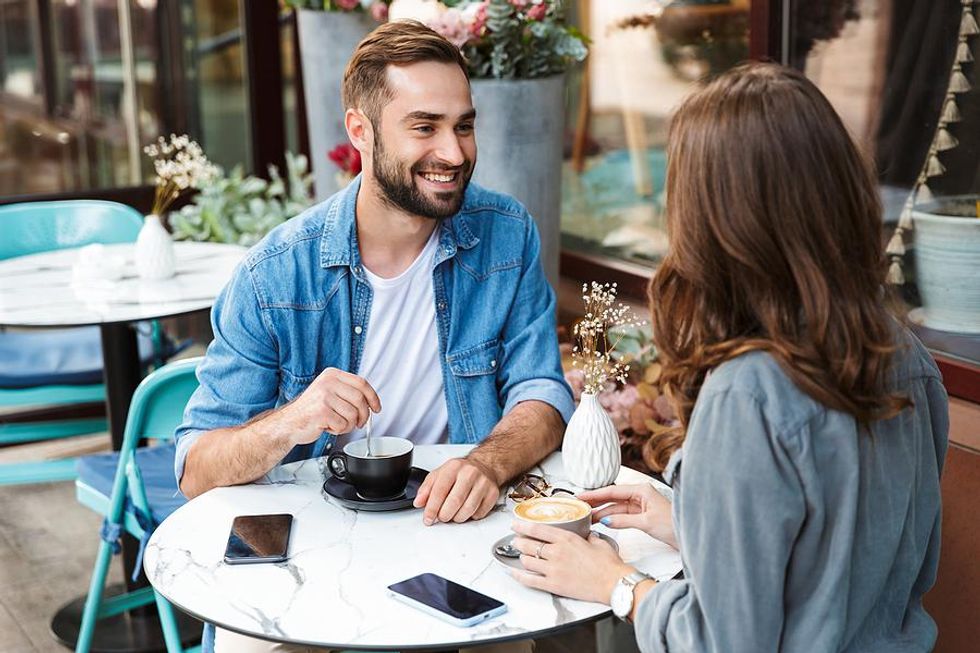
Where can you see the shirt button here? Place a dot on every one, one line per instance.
(493, 363)
(358, 329)
(442, 306)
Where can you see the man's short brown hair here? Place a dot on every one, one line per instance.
(399, 43)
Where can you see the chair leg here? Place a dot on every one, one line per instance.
(93, 601)
(168, 622)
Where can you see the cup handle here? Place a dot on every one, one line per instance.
(337, 463)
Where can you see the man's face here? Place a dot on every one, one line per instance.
(424, 145)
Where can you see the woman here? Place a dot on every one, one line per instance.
(806, 503)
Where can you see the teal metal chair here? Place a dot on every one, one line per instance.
(68, 361)
(135, 490)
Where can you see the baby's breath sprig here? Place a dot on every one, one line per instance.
(594, 352)
(179, 164)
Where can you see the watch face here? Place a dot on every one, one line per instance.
(621, 600)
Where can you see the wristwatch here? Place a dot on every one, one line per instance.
(622, 594)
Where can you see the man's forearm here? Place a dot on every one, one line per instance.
(236, 455)
(528, 433)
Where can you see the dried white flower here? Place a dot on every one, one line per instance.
(179, 164)
(593, 351)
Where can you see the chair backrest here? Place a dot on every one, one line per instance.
(33, 227)
(158, 404)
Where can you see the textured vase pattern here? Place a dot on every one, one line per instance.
(154, 254)
(590, 452)
(947, 266)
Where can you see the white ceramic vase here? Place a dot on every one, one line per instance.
(154, 253)
(590, 452)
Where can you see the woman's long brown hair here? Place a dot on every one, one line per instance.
(775, 244)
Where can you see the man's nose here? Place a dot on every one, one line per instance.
(449, 150)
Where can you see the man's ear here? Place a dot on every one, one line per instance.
(359, 130)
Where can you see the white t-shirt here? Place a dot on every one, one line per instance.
(401, 355)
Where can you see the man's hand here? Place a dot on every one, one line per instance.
(458, 490)
(336, 401)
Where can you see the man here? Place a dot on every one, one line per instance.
(412, 294)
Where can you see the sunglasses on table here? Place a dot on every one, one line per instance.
(533, 486)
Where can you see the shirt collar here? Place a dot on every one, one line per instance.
(338, 244)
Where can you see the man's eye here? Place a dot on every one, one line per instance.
(424, 129)
(465, 128)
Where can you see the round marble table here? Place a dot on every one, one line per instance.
(42, 290)
(331, 592)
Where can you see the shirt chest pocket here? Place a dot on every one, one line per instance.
(474, 377)
(292, 386)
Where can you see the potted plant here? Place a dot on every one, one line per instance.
(238, 209)
(329, 30)
(947, 263)
(518, 52)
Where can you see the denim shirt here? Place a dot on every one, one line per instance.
(300, 301)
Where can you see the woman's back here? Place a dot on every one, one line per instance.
(799, 532)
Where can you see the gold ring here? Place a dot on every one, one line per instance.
(537, 552)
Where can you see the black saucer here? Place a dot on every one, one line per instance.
(346, 496)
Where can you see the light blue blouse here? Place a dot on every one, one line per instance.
(797, 531)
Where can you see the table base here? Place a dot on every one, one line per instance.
(135, 632)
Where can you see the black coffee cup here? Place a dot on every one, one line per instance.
(383, 475)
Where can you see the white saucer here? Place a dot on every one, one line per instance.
(515, 563)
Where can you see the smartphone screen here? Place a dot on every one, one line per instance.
(447, 597)
(258, 538)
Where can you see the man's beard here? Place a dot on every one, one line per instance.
(405, 194)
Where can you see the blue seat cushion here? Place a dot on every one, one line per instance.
(59, 357)
(156, 464)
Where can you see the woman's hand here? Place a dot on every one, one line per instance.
(633, 506)
(566, 564)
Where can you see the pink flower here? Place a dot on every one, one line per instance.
(452, 25)
(576, 379)
(479, 20)
(537, 12)
(348, 5)
(618, 404)
(519, 4)
(379, 12)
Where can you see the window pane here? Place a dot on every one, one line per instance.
(641, 66)
(187, 76)
(886, 67)
(18, 62)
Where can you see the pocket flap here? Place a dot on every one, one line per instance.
(475, 361)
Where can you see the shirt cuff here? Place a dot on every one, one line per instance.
(184, 442)
(554, 393)
(653, 614)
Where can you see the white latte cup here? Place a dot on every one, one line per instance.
(567, 513)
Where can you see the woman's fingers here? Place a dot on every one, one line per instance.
(610, 493)
(611, 509)
(540, 531)
(624, 520)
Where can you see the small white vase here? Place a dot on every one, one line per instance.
(590, 452)
(154, 253)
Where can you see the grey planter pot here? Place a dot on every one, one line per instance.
(947, 264)
(520, 129)
(327, 40)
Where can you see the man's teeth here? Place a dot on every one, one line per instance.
(431, 176)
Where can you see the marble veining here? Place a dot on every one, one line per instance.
(332, 591)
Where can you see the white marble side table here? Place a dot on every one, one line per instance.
(41, 290)
(331, 592)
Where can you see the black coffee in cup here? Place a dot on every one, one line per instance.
(382, 475)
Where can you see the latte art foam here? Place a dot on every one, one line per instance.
(550, 510)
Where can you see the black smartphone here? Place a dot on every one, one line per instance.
(447, 600)
(258, 538)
